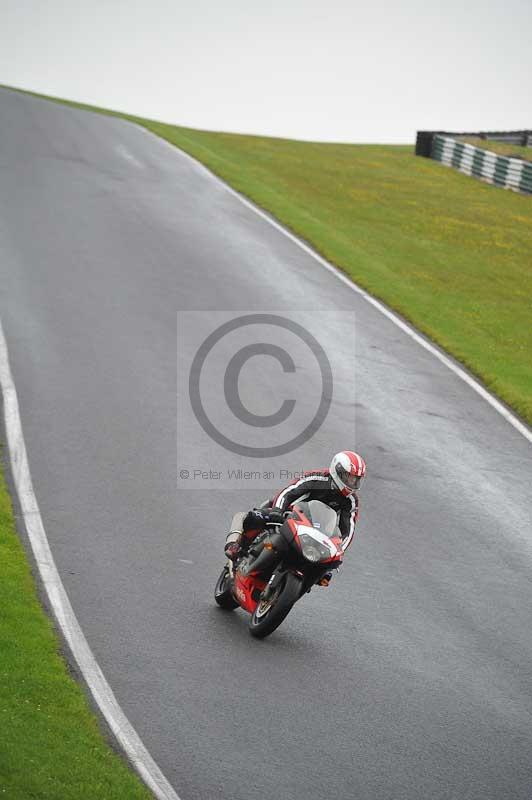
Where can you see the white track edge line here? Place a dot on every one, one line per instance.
(102, 693)
(404, 326)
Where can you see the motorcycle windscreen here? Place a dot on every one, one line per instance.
(323, 518)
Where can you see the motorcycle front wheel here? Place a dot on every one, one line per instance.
(222, 591)
(269, 613)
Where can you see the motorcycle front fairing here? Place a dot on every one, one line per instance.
(305, 532)
(299, 526)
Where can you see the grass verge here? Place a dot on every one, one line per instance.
(450, 253)
(502, 148)
(51, 747)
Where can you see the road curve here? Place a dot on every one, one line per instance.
(411, 676)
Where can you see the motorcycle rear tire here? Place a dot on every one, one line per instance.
(222, 591)
(290, 591)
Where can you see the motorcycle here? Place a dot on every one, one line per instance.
(281, 564)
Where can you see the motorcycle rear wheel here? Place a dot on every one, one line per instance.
(268, 616)
(222, 591)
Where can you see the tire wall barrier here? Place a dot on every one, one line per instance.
(509, 173)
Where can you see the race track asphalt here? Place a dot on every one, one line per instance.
(411, 676)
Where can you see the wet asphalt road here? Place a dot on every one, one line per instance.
(411, 677)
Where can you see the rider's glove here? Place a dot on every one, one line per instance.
(258, 518)
(274, 516)
(254, 519)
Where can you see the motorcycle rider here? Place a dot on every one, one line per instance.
(336, 486)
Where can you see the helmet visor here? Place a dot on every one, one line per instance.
(351, 481)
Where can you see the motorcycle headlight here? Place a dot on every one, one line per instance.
(313, 550)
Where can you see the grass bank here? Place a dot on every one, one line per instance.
(451, 254)
(51, 747)
(502, 148)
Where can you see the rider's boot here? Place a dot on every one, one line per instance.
(233, 543)
(232, 546)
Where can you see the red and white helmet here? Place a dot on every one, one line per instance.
(347, 470)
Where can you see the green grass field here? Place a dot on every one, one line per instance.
(452, 254)
(51, 747)
(502, 148)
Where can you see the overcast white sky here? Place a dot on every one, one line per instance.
(371, 71)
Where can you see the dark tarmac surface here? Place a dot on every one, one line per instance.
(411, 676)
